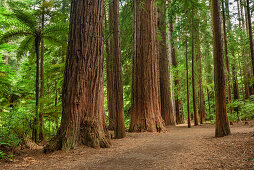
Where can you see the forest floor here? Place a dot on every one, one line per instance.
(178, 148)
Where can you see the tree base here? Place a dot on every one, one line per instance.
(90, 135)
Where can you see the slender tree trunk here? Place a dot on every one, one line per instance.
(41, 119)
(118, 76)
(226, 54)
(146, 111)
(165, 98)
(193, 75)
(35, 128)
(178, 114)
(187, 72)
(246, 85)
(56, 111)
(222, 125)
(109, 65)
(250, 35)
(83, 114)
(235, 87)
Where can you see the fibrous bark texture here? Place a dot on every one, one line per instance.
(222, 125)
(165, 98)
(145, 111)
(118, 76)
(83, 119)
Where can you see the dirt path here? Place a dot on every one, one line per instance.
(179, 148)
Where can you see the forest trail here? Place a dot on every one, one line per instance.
(178, 148)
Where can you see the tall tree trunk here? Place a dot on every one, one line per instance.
(109, 65)
(145, 111)
(171, 49)
(35, 128)
(82, 117)
(193, 75)
(41, 120)
(246, 85)
(187, 72)
(118, 76)
(250, 35)
(226, 54)
(222, 125)
(165, 98)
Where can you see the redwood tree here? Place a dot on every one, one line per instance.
(119, 127)
(145, 111)
(165, 98)
(250, 35)
(222, 125)
(83, 114)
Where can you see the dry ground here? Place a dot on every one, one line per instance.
(178, 148)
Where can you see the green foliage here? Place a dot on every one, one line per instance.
(2, 155)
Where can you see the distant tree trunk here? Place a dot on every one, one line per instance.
(145, 111)
(82, 117)
(226, 53)
(109, 65)
(193, 75)
(246, 85)
(200, 75)
(118, 76)
(165, 98)
(250, 35)
(41, 119)
(222, 125)
(236, 90)
(178, 114)
(56, 110)
(187, 72)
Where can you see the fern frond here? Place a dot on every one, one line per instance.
(56, 29)
(25, 18)
(52, 40)
(25, 46)
(13, 34)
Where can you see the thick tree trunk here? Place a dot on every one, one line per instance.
(145, 111)
(193, 75)
(165, 98)
(118, 76)
(226, 54)
(83, 120)
(222, 125)
(250, 35)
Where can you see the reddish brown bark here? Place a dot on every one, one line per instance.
(165, 98)
(109, 65)
(222, 125)
(250, 35)
(83, 120)
(119, 128)
(187, 72)
(145, 111)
